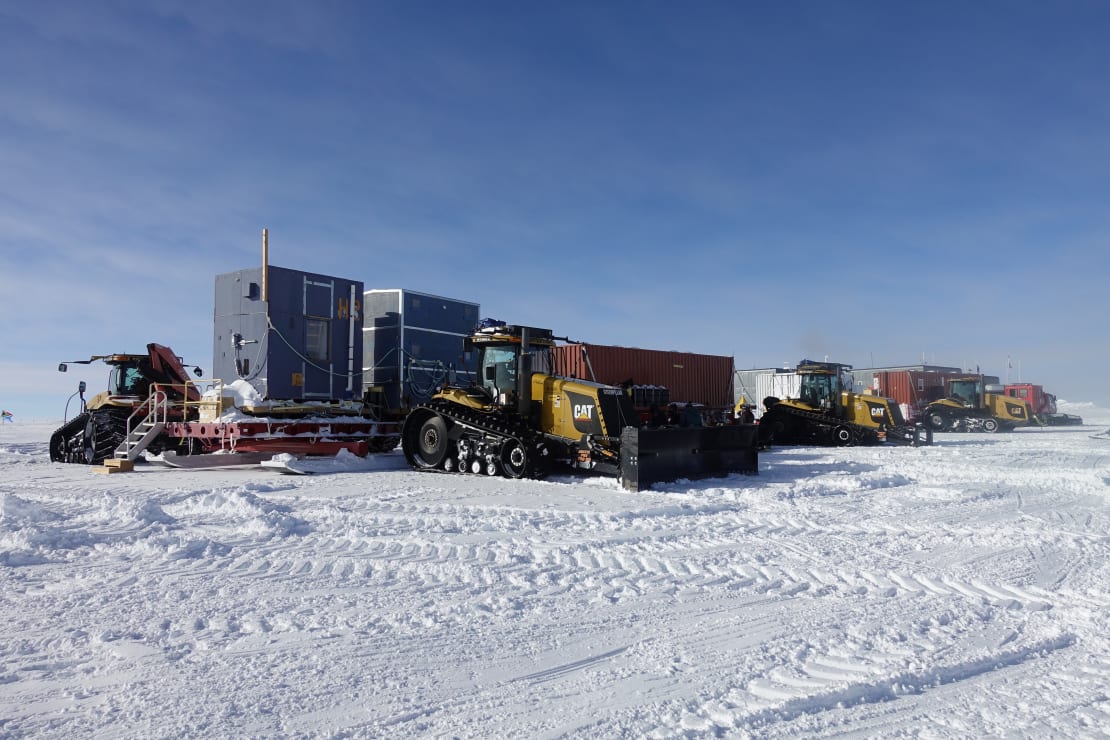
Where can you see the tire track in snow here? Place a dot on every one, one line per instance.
(606, 571)
(829, 681)
(890, 657)
(381, 546)
(717, 527)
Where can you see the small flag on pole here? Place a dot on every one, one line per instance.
(7, 416)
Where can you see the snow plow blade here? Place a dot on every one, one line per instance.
(1062, 420)
(915, 436)
(663, 455)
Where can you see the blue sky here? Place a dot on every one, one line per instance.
(873, 181)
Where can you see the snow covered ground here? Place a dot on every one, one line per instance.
(953, 591)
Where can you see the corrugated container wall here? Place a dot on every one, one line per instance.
(302, 343)
(755, 385)
(413, 342)
(905, 386)
(691, 378)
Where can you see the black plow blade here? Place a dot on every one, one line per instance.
(915, 436)
(662, 455)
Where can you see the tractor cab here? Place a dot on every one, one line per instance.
(507, 357)
(967, 390)
(821, 385)
(133, 375)
(818, 389)
(127, 377)
(497, 369)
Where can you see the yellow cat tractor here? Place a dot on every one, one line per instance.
(93, 435)
(973, 406)
(522, 421)
(829, 412)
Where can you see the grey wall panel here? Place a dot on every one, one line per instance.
(303, 343)
(413, 342)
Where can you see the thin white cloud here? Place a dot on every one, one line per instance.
(669, 186)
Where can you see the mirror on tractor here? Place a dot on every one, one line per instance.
(197, 372)
(62, 367)
(81, 387)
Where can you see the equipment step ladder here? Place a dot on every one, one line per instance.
(138, 436)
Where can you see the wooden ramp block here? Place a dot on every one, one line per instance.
(114, 465)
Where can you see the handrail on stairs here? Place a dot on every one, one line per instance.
(152, 411)
(155, 405)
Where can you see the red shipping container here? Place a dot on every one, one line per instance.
(691, 378)
(912, 389)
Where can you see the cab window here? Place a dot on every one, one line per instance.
(499, 368)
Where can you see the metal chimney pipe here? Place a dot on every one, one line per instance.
(265, 265)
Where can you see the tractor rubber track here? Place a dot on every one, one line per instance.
(67, 440)
(89, 438)
(494, 430)
(807, 427)
(955, 420)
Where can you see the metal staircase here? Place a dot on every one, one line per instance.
(138, 439)
(143, 427)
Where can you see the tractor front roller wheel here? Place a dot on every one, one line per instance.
(937, 421)
(514, 459)
(433, 441)
(425, 439)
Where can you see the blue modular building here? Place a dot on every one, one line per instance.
(412, 344)
(292, 335)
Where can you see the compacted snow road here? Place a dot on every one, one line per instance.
(951, 591)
